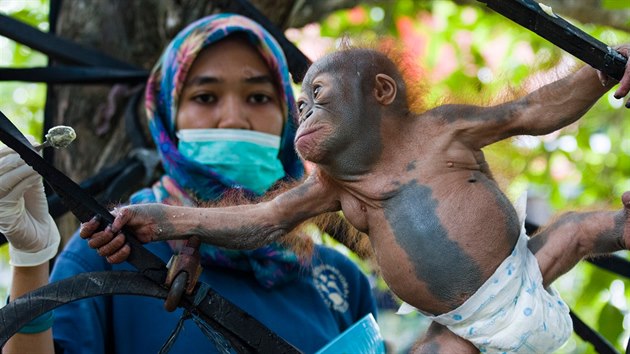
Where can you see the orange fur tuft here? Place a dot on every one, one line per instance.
(296, 240)
(414, 76)
(335, 225)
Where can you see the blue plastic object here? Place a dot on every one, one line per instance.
(363, 337)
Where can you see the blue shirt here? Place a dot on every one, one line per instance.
(308, 312)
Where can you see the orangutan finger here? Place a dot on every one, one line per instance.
(101, 238)
(89, 228)
(121, 255)
(112, 247)
(603, 78)
(123, 215)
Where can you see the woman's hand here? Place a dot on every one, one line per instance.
(24, 219)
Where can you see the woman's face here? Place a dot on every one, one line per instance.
(229, 86)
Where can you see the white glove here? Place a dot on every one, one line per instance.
(24, 219)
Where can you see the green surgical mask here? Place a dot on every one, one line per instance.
(249, 158)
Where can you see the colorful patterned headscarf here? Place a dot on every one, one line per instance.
(186, 181)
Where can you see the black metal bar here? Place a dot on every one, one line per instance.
(601, 345)
(612, 263)
(74, 75)
(563, 34)
(50, 102)
(56, 47)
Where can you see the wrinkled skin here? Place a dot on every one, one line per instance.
(417, 184)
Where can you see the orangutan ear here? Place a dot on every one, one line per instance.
(385, 89)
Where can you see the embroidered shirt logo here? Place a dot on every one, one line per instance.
(332, 286)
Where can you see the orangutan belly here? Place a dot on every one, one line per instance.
(435, 261)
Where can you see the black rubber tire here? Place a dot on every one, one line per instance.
(245, 334)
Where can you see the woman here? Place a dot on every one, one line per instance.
(220, 110)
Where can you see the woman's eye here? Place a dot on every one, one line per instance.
(205, 98)
(259, 98)
(316, 91)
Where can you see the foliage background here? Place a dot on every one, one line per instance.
(465, 54)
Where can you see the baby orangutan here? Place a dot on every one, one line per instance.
(446, 238)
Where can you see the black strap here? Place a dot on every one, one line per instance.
(558, 31)
(75, 75)
(55, 47)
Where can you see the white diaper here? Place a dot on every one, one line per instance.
(512, 312)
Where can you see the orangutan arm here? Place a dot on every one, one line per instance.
(239, 227)
(543, 111)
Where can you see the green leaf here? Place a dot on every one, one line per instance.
(615, 4)
(610, 323)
